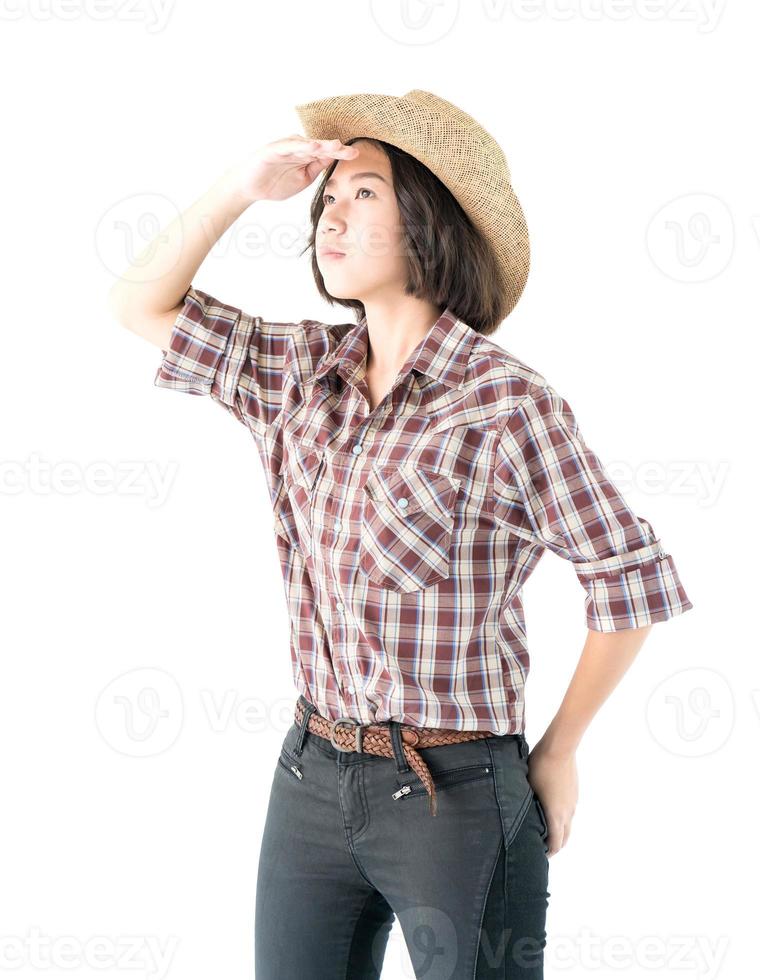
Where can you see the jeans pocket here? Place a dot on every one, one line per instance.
(513, 791)
(410, 784)
(293, 765)
(542, 815)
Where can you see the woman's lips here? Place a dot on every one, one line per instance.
(333, 255)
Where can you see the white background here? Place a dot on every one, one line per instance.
(137, 537)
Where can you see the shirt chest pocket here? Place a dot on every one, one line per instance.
(299, 475)
(406, 524)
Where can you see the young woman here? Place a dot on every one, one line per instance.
(417, 472)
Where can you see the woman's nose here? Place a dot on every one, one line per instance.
(333, 223)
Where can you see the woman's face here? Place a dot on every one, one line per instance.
(361, 219)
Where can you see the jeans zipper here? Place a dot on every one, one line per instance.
(291, 768)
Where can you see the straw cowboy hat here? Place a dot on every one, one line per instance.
(455, 147)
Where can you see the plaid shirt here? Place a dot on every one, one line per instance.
(406, 534)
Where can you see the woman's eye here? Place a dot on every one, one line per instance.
(369, 190)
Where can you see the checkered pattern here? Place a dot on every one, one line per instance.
(406, 534)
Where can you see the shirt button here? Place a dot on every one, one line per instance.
(351, 689)
(339, 606)
(403, 502)
(338, 525)
(357, 449)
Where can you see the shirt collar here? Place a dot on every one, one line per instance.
(442, 354)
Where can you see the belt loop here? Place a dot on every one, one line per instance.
(308, 711)
(524, 747)
(398, 746)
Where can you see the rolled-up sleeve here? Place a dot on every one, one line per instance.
(237, 359)
(552, 489)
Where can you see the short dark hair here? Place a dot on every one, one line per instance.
(450, 263)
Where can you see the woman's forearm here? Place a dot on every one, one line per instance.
(604, 659)
(158, 278)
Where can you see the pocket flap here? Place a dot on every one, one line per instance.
(413, 489)
(302, 464)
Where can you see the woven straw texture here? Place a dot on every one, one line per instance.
(455, 147)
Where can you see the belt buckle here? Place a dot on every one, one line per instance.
(357, 736)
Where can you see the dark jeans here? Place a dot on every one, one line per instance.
(340, 856)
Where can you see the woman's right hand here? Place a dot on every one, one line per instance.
(279, 170)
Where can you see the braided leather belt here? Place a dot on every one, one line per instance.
(376, 740)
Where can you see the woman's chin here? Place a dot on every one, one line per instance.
(339, 287)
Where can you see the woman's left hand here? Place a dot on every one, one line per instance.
(554, 779)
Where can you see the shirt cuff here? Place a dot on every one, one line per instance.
(632, 590)
(207, 349)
